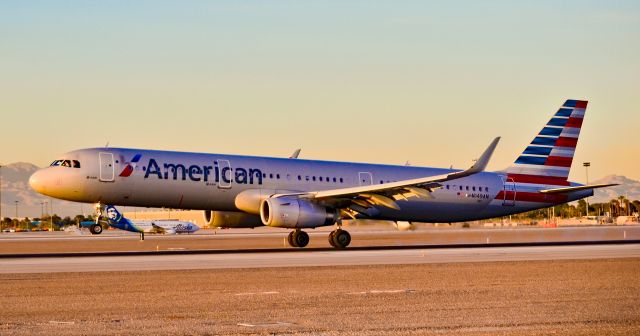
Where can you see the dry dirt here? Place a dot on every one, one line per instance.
(586, 297)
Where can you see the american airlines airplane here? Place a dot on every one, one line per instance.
(248, 191)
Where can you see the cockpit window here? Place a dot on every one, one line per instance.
(66, 163)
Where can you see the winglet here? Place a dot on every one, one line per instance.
(482, 162)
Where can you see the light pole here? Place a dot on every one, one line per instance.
(16, 202)
(1, 218)
(586, 166)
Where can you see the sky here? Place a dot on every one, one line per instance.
(431, 83)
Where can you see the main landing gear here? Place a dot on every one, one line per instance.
(337, 238)
(298, 238)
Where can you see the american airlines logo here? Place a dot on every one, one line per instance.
(130, 166)
(207, 173)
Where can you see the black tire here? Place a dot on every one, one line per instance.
(291, 239)
(331, 235)
(301, 238)
(96, 229)
(341, 238)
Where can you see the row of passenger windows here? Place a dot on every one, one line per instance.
(308, 178)
(467, 188)
(321, 179)
(66, 163)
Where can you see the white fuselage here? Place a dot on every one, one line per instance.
(148, 178)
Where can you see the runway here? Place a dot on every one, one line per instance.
(314, 258)
(273, 238)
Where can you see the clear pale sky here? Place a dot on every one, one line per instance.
(372, 81)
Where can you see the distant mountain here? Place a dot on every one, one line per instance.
(15, 187)
(628, 188)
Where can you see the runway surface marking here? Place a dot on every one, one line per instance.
(314, 258)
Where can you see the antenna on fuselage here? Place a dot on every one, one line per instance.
(295, 154)
(106, 145)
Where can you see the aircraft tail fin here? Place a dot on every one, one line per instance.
(114, 217)
(549, 156)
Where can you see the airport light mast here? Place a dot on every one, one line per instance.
(586, 166)
(1, 219)
(16, 202)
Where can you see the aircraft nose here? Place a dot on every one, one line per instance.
(39, 181)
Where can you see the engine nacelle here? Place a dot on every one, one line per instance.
(289, 212)
(230, 219)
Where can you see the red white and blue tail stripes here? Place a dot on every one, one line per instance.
(548, 158)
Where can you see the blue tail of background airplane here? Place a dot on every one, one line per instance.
(117, 220)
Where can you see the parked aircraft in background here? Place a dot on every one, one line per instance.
(115, 219)
(249, 191)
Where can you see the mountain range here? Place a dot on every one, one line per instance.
(15, 187)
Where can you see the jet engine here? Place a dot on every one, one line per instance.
(230, 219)
(290, 212)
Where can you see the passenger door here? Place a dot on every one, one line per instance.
(365, 178)
(107, 173)
(509, 192)
(225, 174)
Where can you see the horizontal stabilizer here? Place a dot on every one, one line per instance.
(570, 189)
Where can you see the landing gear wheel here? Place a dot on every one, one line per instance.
(298, 238)
(339, 238)
(291, 239)
(331, 236)
(96, 229)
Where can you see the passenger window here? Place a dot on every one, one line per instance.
(314, 178)
(307, 178)
(486, 189)
(474, 188)
(76, 164)
(328, 180)
(320, 178)
(299, 178)
(270, 176)
(447, 187)
(278, 176)
(467, 187)
(341, 180)
(460, 187)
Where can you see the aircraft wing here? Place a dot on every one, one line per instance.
(385, 193)
(578, 188)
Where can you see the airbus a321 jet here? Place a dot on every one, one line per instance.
(115, 219)
(249, 191)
